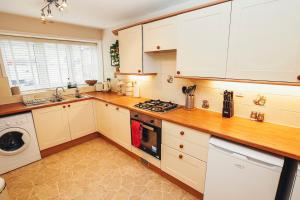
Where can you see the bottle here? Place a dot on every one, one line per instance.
(77, 93)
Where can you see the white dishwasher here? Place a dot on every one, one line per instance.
(296, 189)
(235, 172)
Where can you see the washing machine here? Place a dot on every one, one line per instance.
(18, 142)
(3, 190)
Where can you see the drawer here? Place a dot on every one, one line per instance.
(185, 146)
(185, 168)
(120, 109)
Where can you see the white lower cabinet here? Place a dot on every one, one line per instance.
(81, 119)
(114, 123)
(103, 118)
(52, 126)
(184, 154)
(185, 168)
(59, 124)
(120, 125)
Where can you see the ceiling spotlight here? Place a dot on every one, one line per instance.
(43, 17)
(64, 3)
(49, 12)
(61, 8)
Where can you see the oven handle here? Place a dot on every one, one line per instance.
(147, 127)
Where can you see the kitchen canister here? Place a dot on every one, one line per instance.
(189, 101)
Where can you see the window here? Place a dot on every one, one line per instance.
(44, 64)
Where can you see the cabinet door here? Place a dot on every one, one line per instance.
(81, 118)
(131, 51)
(264, 40)
(106, 120)
(100, 114)
(185, 168)
(121, 126)
(52, 126)
(203, 41)
(160, 35)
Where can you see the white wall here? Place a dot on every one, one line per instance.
(282, 105)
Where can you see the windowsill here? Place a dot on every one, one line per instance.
(30, 92)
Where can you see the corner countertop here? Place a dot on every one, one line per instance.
(273, 138)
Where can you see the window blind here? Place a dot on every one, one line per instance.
(38, 64)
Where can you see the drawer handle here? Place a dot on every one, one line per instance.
(106, 104)
(298, 77)
(158, 47)
(181, 146)
(178, 72)
(69, 106)
(64, 106)
(181, 132)
(180, 156)
(117, 108)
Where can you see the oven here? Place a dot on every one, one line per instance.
(146, 133)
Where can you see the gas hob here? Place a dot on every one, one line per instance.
(157, 106)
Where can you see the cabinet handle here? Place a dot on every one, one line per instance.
(139, 71)
(181, 132)
(106, 104)
(64, 106)
(181, 146)
(69, 106)
(178, 72)
(117, 108)
(158, 47)
(298, 77)
(180, 156)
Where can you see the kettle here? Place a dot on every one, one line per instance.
(99, 87)
(106, 86)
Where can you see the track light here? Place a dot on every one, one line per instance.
(64, 3)
(43, 17)
(61, 6)
(49, 12)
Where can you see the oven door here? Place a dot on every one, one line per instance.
(151, 140)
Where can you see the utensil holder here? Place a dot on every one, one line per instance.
(190, 102)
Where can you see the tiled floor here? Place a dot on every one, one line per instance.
(93, 170)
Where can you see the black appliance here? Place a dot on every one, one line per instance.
(149, 135)
(157, 106)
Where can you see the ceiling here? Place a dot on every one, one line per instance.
(94, 13)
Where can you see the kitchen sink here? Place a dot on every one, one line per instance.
(65, 98)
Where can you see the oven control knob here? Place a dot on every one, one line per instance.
(151, 121)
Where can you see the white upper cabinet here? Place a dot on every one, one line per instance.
(203, 41)
(265, 40)
(160, 35)
(131, 50)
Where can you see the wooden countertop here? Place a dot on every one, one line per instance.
(277, 139)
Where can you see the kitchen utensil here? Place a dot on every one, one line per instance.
(228, 108)
(184, 89)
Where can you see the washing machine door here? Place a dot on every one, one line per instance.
(13, 141)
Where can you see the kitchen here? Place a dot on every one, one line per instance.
(148, 99)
